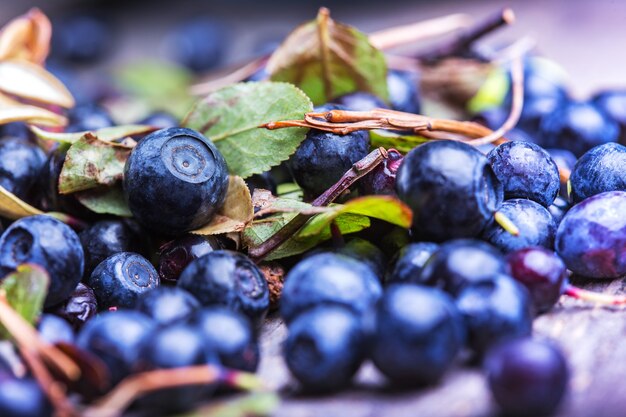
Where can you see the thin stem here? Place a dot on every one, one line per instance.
(358, 170)
(506, 223)
(323, 20)
(231, 76)
(594, 297)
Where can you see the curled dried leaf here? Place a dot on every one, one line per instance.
(14, 111)
(26, 37)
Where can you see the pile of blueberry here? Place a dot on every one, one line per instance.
(496, 234)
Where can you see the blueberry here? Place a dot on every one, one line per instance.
(526, 171)
(403, 91)
(105, 238)
(324, 348)
(175, 255)
(409, 261)
(527, 377)
(230, 335)
(535, 223)
(323, 157)
(494, 310)
(53, 329)
(460, 262)
(418, 333)
(115, 337)
(613, 103)
(198, 44)
(80, 307)
(120, 279)
(88, 116)
(592, 236)
(578, 127)
(175, 180)
(598, 170)
(230, 279)
(175, 346)
(160, 119)
(360, 101)
(23, 398)
(558, 209)
(327, 278)
(382, 179)
(542, 272)
(81, 39)
(451, 189)
(565, 161)
(20, 164)
(366, 252)
(167, 305)
(264, 180)
(17, 130)
(45, 241)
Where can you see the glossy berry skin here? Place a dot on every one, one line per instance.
(495, 310)
(54, 329)
(461, 262)
(578, 127)
(264, 180)
(323, 157)
(80, 307)
(160, 119)
(558, 209)
(325, 347)
(198, 44)
(366, 252)
(417, 335)
(105, 238)
(535, 223)
(327, 278)
(20, 163)
(592, 236)
(115, 337)
(403, 93)
(526, 171)
(23, 398)
(360, 101)
(81, 39)
(598, 170)
(175, 346)
(451, 189)
(120, 279)
(175, 255)
(175, 180)
(49, 243)
(542, 272)
(17, 130)
(613, 103)
(527, 377)
(382, 179)
(230, 335)
(230, 279)
(88, 116)
(167, 305)
(409, 262)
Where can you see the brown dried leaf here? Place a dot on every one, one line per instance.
(31, 82)
(14, 111)
(26, 37)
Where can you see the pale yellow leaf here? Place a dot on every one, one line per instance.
(30, 81)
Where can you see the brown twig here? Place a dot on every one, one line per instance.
(224, 78)
(460, 44)
(358, 170)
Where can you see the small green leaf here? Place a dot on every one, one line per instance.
(386, 208)
(107, 134)
(236, 212)
(327, 59)
(13, 208)
(90, 163)
(230, 118)
(491, 93)
(26, 290)
(256, 404)
(105, 200)
(400, 142)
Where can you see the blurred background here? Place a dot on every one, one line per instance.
(585, 37)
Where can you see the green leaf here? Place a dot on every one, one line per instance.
(492, 93)
(400, 142)
(158, 86)
(230, 118)
(236, 212)
(90, 163)
(256, 404)
(386, 208)
(107, 134)
(13, 208)
(26, 290)
(327, 59)
(105, 200)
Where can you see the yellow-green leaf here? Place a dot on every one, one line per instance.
(105, 200)
(13, 208)
(107, 134)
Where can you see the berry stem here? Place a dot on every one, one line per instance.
(594, 297)
(358, 170)
(506, 223)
